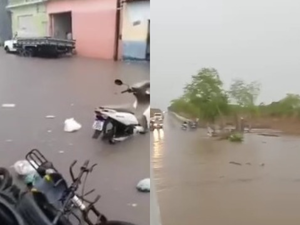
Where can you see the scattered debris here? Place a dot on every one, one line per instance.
(23, 167)
(269, 135)
(71, 125)
(132, 204)
(262, 164)
(8, 105)
(49, 131)
(50, 117)
(144, 185)
(8, 140)
(221, 176)
(248, 163)
(235, 163)
(61, 152)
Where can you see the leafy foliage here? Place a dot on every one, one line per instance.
(288, 106)
(205, 97)
(236, 137)
(182, 105)
(244, 94)
(206, 94)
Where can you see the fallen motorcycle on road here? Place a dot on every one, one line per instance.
(49, 199)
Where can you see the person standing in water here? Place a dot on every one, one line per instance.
(69, 36)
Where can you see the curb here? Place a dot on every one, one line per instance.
(181, 118)
(155, 218)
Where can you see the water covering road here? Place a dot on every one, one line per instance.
(197, 183)
(73, 87)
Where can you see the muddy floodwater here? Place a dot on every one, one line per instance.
(201, 181)
(66, 88)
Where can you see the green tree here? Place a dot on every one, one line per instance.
(206, 93)
(288, 106)
(183, 106)
(245, 95)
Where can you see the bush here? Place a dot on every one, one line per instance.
(236, 137)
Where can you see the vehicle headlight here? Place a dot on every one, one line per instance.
(155, 124)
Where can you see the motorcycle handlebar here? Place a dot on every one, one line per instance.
(71, 170)
(83, 169)
(129, 90)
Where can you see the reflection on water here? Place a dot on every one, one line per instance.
(158, 136)
(196, 183)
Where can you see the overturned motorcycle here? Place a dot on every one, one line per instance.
(49, 200)
(117, 123)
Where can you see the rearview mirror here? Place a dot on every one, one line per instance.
(118, 82)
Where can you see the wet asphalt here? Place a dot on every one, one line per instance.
(66, 88)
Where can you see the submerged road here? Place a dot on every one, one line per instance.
(197, 183)
(66, 88)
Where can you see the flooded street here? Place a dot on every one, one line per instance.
(200, 181)
(66, 88)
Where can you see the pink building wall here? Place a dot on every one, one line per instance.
(93, 25)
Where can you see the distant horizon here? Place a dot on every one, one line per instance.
(258, 102)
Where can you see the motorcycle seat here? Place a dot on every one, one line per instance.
(120, 108)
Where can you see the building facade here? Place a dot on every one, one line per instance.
(29, 17)
(5, 22)
(136, 30)
(93, 25)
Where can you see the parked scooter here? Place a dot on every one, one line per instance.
(121, 123)
(100, 118)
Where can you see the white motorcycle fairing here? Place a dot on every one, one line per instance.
(127, 120)
(122, 117)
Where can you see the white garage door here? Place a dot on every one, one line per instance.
(26, 26)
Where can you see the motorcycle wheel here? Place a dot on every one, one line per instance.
(112, 141)
(32, 212)
(96, 134)
(11, 194)
(9, 215)
(109, 130)
(5, 179)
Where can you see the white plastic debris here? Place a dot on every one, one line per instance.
(71, 125)
(23, 168)
(8, 105)
(144, 185)
(132, 204)
(50, 117)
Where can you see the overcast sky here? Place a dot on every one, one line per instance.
(248, 39)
